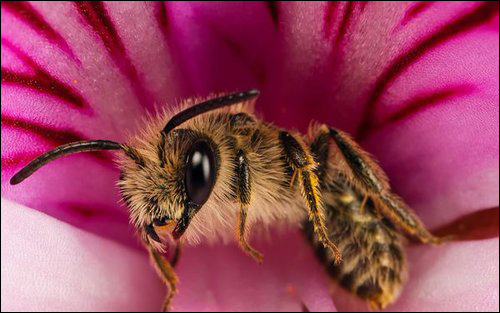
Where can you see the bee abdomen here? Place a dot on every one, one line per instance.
(373, 264)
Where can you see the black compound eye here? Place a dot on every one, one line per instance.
(200, 172)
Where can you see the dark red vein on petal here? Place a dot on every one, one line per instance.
(96, 16)
(331, 9)
(43, 83)
(41, 80)
(479, 225)
(416, 105)
(344, 24)
(53, 136)
(24, 11)
(415, 11)
(423, 101)
(256, 69)
(93, 211)
(162, 19)
(469, 21)
(85, 211)
(272, 7)
(363, 5)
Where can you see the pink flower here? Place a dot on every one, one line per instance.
(415, 82)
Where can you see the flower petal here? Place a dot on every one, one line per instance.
(78, 270)
(223, 278)
(48, 265)
(453, 277)
(437, 132)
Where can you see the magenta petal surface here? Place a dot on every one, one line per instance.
(460, 276)
(49, 265)
(435, 128)
(222, 278)
(65, 268)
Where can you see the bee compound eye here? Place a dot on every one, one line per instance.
(200, 172)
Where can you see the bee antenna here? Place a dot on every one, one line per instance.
(208, 105)
(70, 148)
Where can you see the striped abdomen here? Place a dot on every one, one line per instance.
(373, 261)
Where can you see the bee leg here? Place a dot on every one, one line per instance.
(398, 212)
(177, 254)
(242, 240)
(365, 174)
(244, 191)
(167, 274)
(302, 163)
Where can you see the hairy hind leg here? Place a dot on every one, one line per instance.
(363, 172)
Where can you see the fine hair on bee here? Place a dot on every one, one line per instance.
(213, 171)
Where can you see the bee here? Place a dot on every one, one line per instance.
(213, 171)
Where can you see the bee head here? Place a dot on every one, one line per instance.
(167, 186)
(164, 186)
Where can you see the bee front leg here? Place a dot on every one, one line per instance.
(167, 274)
(244, 191)
(303, 166)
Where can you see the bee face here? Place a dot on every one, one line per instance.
(167, 187)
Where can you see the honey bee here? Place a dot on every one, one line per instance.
(211, 171)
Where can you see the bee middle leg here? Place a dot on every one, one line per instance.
(303, 166)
